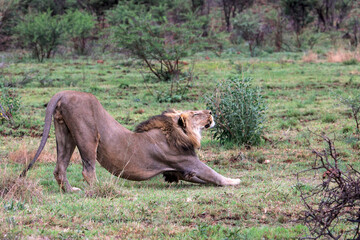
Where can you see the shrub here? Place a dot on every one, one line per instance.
(40, 32)
(175, 91)
(9, 104)
(352, 61)
(353, 103)
(239, 111)
(79, 26)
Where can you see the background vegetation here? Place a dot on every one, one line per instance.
(142, 57)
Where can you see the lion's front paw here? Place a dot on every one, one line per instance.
(75, 189)
(232, 182)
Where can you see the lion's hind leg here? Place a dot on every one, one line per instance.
(65, 147)
(88, 152)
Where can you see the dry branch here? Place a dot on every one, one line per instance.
(335, 200)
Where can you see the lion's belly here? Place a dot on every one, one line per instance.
(131, 165)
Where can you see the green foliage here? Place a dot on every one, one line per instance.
(299, 12)
(239, 111)
(248, 26)
(9, 104)
(177, 89)
(79, 26)
(37, 5)
(41, 33)
(352, 61)
(352, 25)
(205, 231)
(310, 38)
(329, 118)
(158, 38)
(352, 101)
(7, 14)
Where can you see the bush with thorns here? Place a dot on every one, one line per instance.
(332, 207)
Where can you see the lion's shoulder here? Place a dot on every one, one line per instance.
(175, 135)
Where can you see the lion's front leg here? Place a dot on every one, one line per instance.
(177, 176)
(207, 174)
(202, 173)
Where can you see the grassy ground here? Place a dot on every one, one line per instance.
(300, 97)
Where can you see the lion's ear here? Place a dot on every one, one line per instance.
(181, 121)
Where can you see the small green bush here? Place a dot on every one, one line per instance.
(328, 118)
(9, 104)
(352, 102)
(239, 111)
(352, 61)
(42, 33)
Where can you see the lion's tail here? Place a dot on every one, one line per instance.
(48, 118)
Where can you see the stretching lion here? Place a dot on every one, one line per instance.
(163, 144)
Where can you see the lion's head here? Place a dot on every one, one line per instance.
(181, 128)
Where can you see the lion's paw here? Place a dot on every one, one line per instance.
(232, 182)
(75, 189)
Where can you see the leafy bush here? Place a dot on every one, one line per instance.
(352, 61)
(9, 104)
(79, 26)
(176, 90)
(41, 32)
(148, 34)
(352, 101)
(239, 111)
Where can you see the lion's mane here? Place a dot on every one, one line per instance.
(177, 135)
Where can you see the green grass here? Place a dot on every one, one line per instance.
(264, 206)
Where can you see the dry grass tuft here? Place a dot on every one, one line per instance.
(310, 57)
(106, 189)
(354, 72)
(13, 187)
(342, 55)
(24, 156)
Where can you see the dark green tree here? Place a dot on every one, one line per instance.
(99, 7)
(248, 26)
(232, 7)
(298, 12)
(331, 13)
(42, 33)
(157, 35)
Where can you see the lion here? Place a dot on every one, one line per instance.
(165, 143)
